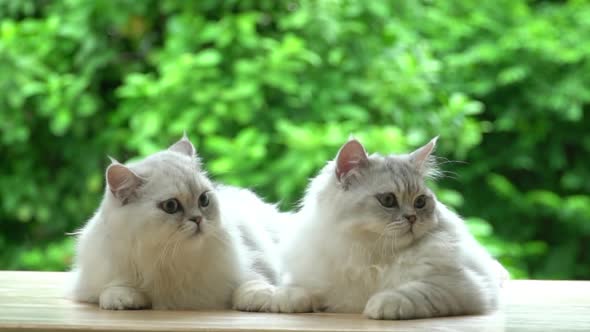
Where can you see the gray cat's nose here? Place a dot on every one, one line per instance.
(196, 219)
(411, 218)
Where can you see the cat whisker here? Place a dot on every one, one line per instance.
(396, 224)
(164, 253)
(377, 243)
(442, 161)
(384, 248)
(175, 246)
(393, 243)
(448, 175)
(219, 236)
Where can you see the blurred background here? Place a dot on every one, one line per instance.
(269, 90)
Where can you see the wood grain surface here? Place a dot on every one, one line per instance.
(33, 301)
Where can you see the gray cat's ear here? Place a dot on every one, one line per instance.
(184, 146)
(421, 157)
(351, 156)
(122, 181)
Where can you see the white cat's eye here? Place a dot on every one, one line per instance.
(204, 199)
(387, 200)
(171, 206)
(420, 202)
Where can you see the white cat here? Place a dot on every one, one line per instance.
(166, 237)
(372, 238)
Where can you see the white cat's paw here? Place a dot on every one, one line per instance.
(291, 299)
(389, 305)
(254, 295)
(122, 298)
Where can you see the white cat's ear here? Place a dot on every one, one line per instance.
(122, 181)
(351, 156)
(421, 157)
(184, 146)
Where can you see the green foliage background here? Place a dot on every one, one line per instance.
(268, 90)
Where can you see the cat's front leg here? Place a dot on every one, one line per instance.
(389, 304)
(123, 298)
(259, 295)
(254, 295)
(290, 299)
(412, 301)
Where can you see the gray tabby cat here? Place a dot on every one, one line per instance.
(371, 237)
(166, 237)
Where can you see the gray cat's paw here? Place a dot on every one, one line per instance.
(122, 298)
(254, 295)
(258, 295)
(389, 305)
(291, 300)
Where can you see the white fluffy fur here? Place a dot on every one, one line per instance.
(132, 254)
(343, 253)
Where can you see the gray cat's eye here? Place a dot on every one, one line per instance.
(204, 199)
(420, 202)
(387, 200)
(171, 206)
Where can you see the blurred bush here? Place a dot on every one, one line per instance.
(268, 91)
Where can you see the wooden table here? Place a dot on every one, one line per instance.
(32, 301)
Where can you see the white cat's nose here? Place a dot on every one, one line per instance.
(196, 219)
(411, 218)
